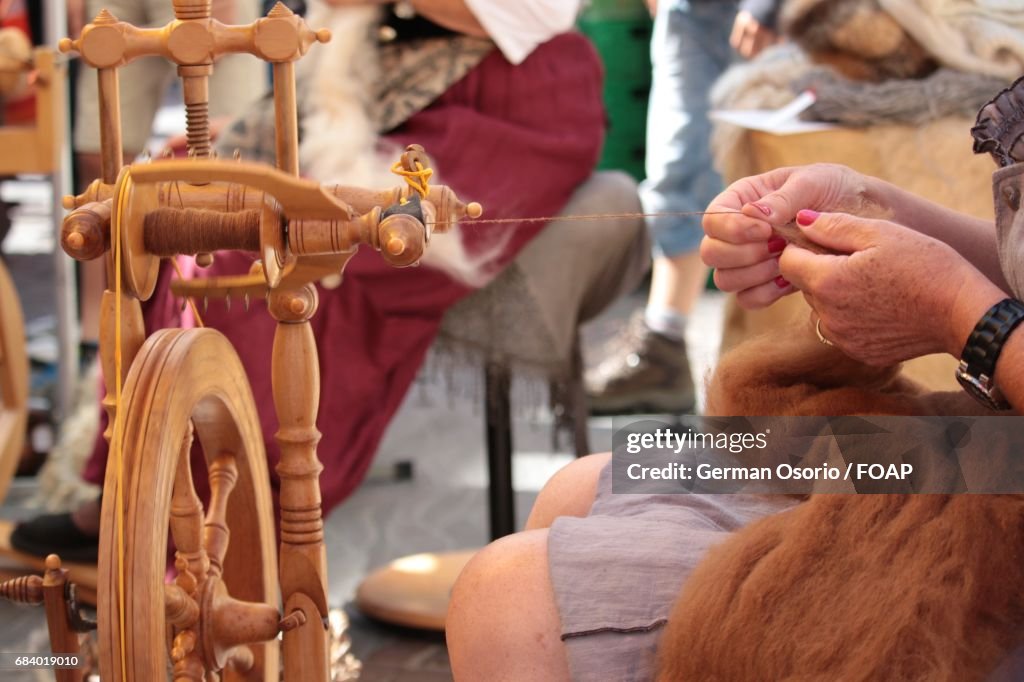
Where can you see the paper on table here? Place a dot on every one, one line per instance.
(784, 121)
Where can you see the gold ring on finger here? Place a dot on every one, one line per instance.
(821, 337)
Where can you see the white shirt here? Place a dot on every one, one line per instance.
(519, 26)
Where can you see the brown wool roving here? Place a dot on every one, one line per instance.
(849, 587)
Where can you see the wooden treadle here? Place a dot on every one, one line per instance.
(413, 591)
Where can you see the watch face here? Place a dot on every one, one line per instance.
(979, 390)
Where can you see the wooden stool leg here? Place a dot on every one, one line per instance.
(501, 495)
(578, 403)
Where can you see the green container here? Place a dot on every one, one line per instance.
(615, 9)
(624, 46)
(623, 154)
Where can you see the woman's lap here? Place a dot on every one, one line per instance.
(616, 572)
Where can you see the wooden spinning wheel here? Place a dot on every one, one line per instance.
(237, 605)
(13, 380)
(221, 609)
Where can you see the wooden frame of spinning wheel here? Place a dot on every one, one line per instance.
(234, 593)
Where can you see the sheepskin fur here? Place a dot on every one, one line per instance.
(849, 587)
(856, 37)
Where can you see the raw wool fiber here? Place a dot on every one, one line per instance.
(340, 143)
(908, 102)
(785, 597)
(61, 486)
(857, 38)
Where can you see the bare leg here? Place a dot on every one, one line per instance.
(570, 492)
(503, 625)
(676, 282)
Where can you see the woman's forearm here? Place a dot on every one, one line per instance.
(1010, 370)
(973, 238)
(452, 14)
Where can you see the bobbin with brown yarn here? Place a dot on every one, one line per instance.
(172, 231)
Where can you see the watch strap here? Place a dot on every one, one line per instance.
(988, 337)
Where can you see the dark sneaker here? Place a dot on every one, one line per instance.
(55, 534)
(643, 372)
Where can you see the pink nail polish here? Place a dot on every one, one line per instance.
(762, 208)
(781, 282)
(776, 245)
(806, 216)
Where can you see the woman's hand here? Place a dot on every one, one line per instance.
(738, 241)
(898, 294)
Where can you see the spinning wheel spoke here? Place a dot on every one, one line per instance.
(188, 665)
(223, 476)
(186, 520)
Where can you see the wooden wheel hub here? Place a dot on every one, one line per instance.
(227, 626)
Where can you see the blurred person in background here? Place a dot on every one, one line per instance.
(645, 368)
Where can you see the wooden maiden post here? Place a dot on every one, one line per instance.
(303, 558)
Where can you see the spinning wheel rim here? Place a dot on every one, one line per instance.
(13, 381)
(181, 377)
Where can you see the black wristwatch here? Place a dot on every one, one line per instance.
(978, 361)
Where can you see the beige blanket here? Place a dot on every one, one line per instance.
(979, 36)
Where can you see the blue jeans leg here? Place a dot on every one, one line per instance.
(689, 51)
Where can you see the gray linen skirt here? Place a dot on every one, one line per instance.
(617, 571)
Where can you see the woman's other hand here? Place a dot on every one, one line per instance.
(738, 240)
(896, 294)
